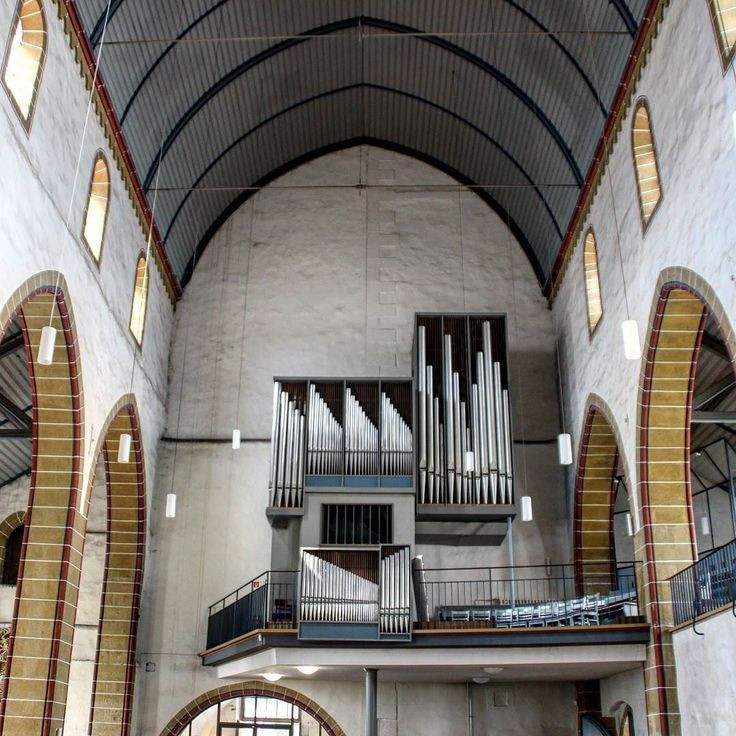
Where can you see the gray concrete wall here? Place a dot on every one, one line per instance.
(307, 279)
(706, 676)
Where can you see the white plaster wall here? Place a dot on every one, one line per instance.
(706, 676)
(315, 280)
(626, 688)
(691, 103)
(35, 190)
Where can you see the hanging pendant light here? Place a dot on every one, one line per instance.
(632, 344)
(124, 448)
(48, 343)
(564, 448)
(705, 525)
(526, 508)
(629, 525)
(170, 505)
(236, 439)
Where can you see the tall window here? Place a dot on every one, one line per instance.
(140, 298)
(24, 56)
(592, 282)
(645, 160)
(97, 203)
(724, 20)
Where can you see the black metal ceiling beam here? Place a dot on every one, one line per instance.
(14, 412)
(346, 88)
(233, 74)
(338, 146)
(13, 343)
(97, 31)
(716, 346)
(713, 417)
(626, 16)
(15, 434)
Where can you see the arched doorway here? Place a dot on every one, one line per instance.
(684, 307)
(254, 708)
(34, 689)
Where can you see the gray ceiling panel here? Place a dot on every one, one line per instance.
(512, 95)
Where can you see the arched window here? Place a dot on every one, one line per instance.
(97, 204)
(24, 57)
(12, 556)
(724, 20)
(645, 161)
(140, 297)
(592, 282)
(627, 723)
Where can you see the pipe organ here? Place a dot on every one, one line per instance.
(463, 414)
(331, 433)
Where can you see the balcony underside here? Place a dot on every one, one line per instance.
(586, 645)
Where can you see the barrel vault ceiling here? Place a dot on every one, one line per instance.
(216, 98)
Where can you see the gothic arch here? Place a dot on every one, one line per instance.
(251, 687)
(114, 673)
(39, 652)
(683, 300)
(600, 448)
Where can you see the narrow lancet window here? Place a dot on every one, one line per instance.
(140, 298)
(645, 161)
(592, 282)
(97, 204)
(24, 57)
(724, 20)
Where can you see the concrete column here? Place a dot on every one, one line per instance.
(370, 709)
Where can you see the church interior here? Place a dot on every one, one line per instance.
(367, 368)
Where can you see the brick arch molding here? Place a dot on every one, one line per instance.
(251, 687)
(683, 300)
(39, 651)
(114, 673)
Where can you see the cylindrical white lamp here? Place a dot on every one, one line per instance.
(124, 448)
(629, 525)
(170, 505)
(564, 448)
(526, 508)
(632, 344)
(47, 345)
(236, 439)
(705, 525)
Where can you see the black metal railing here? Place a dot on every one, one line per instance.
(706, 585)
(528, 595)
(266, 602)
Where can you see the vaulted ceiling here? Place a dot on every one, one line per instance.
(215, 99)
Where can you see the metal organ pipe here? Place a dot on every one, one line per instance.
(465, 450)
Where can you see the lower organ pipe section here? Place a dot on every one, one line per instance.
(465, 442)
(351, 586)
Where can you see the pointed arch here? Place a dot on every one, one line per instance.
(12, 525)
(250, 687)
(592, 281)
(39, 651)
(600, 451)
(98, 203)
(682, 303)
(723, 15)
(25, 54)
(646, 166)
(114, 673)
(140, 299)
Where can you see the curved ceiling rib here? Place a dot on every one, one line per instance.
(382, 88)
(529, 16)
(498, 95)
(341, 25)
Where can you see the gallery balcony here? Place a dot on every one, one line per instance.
(376, 597)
